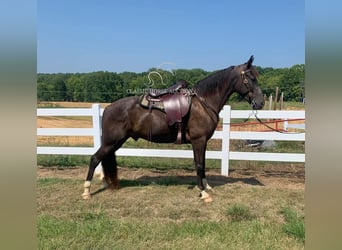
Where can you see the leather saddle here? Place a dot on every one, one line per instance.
(174, 101)
(171, 90)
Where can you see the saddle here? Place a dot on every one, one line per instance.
(171, 90)
(174, 101)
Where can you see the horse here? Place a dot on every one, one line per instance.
(126, 118)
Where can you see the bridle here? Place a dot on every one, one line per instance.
(245, 81)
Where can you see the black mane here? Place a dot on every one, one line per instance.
(210, 83)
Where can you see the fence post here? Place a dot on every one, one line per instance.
(286, 124)
(225, 140)
(270, 102)
(97, 133)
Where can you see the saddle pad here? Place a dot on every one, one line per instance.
(155, 103)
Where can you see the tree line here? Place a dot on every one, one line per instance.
(104, 86)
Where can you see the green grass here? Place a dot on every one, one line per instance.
(243, 105)
(165, 214)
(62, 160)
(279, 147)
(298, 105)
(294, 224)
(239, 212)
(101, 232)
(240, 105)
(49, 181)
(141, 143)
(289, 147)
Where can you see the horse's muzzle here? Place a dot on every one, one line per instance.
(257, 105)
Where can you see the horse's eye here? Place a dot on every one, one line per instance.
(252, 78)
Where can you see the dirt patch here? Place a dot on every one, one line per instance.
(288, 177)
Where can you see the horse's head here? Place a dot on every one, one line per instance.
(247, 84)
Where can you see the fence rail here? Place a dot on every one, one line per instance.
(225, 135)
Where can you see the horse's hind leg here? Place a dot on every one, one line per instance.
(94, 161)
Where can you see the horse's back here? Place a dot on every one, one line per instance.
(122, 104)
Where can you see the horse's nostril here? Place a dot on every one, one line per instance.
(253, 104)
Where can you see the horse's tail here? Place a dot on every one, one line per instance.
(110, 170)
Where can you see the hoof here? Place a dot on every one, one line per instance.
(86, 196)
(208, 199)
(205, 197)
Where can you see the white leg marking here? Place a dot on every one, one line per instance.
(205, 196)
(206, 185)
(86, 194)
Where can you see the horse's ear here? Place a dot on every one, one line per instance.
(250, 61)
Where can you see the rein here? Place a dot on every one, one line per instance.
(208, 107)
(254, 113)
(273, 129)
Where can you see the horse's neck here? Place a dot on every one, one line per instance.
(219, 97)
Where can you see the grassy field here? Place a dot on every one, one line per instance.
(161, 210)
(259, 206)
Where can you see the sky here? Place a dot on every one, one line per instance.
(81, 36)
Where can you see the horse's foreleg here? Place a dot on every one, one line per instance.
(199, 148)
(206, 185)
(202, 183)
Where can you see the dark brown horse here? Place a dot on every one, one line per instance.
(126, 118)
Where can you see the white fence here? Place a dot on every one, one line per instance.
(225, 135)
